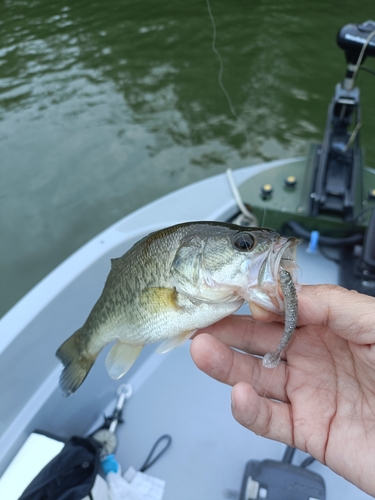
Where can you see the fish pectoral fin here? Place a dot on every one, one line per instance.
(120, 358)
(170, 344)
(157, 299)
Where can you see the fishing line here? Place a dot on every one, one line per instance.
(220, 77)
(264, 217)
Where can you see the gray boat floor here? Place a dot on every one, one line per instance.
(210, 449)
(170, 395)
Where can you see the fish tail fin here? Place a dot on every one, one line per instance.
(76, 363)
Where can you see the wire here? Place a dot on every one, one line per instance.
(354, 222)
(323, 251)
(252, 219)
(328, 241)
(362, 212)
(307, 461)
(148, 462)
(288, 455)
(367, 69)
(360, 57)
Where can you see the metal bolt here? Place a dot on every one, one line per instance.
(266, 191)
(290, 181)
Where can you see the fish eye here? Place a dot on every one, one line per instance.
(243, 242)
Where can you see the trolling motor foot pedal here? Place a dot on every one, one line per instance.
(272, 480)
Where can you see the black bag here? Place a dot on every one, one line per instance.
(70, 475)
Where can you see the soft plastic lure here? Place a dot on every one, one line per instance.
(271, 359)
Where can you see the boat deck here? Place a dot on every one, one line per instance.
(170, 395)
(209, 449)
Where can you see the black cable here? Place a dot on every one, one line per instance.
(368, 70)
(362, 212)
(300, 231)
(288, 455)
(323, 251)
(149, 462)
(354, 222)
(307, 461)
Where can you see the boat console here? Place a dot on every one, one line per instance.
(330, 197)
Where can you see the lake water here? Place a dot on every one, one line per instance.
(105, 106)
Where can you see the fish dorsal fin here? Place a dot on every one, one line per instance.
(170, 344)
(115, 262)
(121, 357)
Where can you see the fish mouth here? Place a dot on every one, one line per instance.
(286, 257)
(283, 254)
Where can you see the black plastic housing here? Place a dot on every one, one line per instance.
(352, 37)
(282, 481)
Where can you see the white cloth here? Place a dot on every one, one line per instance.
(134, 486)
(151, 488)
(119, 489)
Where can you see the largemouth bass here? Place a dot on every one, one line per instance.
(170, 284)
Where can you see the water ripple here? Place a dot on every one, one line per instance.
(106, 106)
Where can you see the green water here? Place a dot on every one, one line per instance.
(105, 106)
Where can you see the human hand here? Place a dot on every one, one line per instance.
(325, 386)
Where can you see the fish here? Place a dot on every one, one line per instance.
(172, 283)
